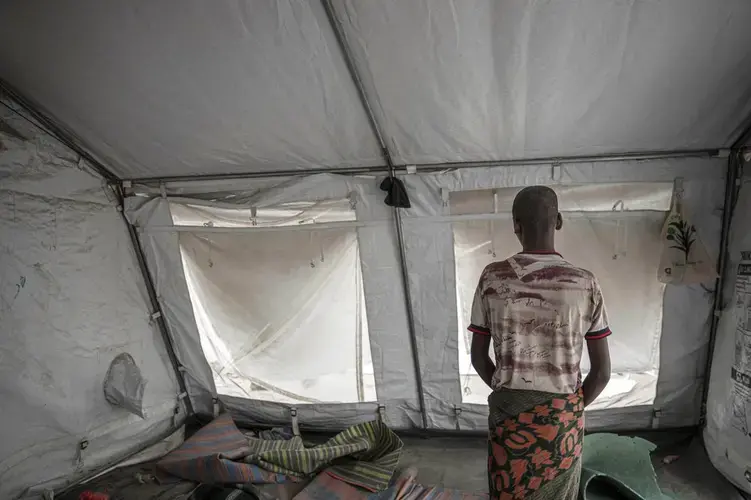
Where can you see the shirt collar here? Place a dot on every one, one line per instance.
(541, 252)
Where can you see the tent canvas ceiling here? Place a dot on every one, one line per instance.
(190, 87)
(261, 87)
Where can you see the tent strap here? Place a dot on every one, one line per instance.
(349, 60)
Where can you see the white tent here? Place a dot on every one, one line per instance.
(197, 184)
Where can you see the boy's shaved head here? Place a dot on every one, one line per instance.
(536, 209)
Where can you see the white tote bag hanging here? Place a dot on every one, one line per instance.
(684, 259)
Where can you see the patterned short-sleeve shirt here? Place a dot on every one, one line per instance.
(539, 309)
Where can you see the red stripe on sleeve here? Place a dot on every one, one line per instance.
(480, 330)
(600, 334)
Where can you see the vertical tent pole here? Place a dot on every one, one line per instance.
(732, 188)
(336, 26)
(156, 309)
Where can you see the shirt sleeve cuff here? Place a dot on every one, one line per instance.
(480, 330)
(598, 334)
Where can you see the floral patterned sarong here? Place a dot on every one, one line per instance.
(535, 445)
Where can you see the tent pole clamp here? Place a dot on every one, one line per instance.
(183, 395)
(154, 316)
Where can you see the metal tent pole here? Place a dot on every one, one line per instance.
(438, 167)
(156, 309)
(349, 61)
(732, 188)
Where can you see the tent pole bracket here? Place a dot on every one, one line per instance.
(349, 60)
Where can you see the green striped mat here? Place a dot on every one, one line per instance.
(364, 455)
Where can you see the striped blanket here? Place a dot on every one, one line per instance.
(372, 448)
(326, 487)
(214, 455)
(364, 455)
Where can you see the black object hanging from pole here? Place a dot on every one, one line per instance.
(397, 196)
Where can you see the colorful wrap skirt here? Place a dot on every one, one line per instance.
(535, 445)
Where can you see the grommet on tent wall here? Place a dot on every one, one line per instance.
(295, 423)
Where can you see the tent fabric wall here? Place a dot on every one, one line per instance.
(384, 300)
(169, 281)
(71, 299)
(181, 89)
(621, 248)
(430, 256)
(280, 313)
(727, 435)
(263, 85)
